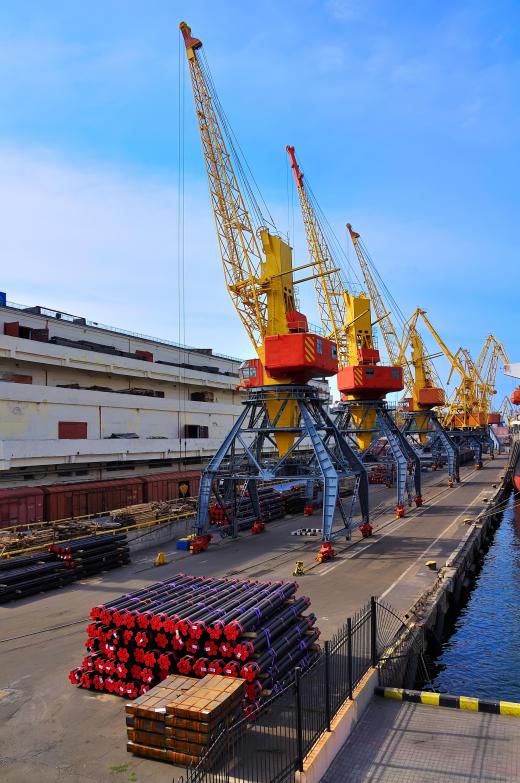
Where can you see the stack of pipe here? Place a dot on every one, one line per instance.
(271, 507)
(197, 626)
(271, 504)
(88, 556)
(221, 513)
(61, 565)
(22, 576)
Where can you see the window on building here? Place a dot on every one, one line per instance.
(72, 430)
(202, 396)
(195, 431)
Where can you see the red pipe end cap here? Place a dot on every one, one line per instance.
(233, 631)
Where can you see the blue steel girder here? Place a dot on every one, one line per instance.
(473, 438)
(402, 452)
(448, 445)
(335, 458)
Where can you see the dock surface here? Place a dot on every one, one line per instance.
(398, 742)
(54, 732)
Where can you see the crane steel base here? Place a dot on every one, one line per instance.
(441, 436)
(476, 438)
(407, 460)
(249, 455)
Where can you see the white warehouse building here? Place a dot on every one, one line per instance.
(80, 401)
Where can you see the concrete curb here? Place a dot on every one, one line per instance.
(330, 743)
(446, 700)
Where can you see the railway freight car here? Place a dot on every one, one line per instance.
(26, 505)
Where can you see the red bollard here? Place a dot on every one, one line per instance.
(326, 552)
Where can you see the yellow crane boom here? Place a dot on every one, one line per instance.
(386, 325)
(347, 319)
(257, 265)
(331, 294)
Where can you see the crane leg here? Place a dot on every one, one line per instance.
(406, 459)
(247, 456)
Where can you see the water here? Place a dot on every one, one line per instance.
(482, 657)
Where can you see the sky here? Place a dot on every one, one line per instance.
(405, 117)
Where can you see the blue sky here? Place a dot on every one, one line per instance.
(406, 118)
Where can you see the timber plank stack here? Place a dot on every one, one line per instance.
(177, 720)
(144, 513)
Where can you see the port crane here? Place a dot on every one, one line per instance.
(421, 420)
(363, 381)
(491, 354)
(461, 417)
(423, 389)
(284, 430)
(469, 409)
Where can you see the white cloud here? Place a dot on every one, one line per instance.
(102, 244)
(347, 10)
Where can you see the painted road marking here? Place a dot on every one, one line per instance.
(422, 555)
(418, 512)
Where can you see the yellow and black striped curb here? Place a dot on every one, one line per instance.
(446, 700)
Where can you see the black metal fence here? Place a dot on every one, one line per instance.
(272, 745)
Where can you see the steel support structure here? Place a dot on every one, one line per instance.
(475, 438)
(408, 465)
(494, 441)
(249, 455)
(441, 436)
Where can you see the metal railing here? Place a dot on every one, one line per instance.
(270, 745)
(48, 312)
(53, 527)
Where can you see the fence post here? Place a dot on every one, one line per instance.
(349, 657)
(327, 684)
(373, 630)
(299, 728)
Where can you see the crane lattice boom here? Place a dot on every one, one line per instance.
(330, 289)
(239, 247)
(384, 319)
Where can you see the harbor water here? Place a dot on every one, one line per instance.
(482, 656)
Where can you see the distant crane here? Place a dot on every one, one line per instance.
(421, 419)
(284, 430)
(362, 381)
(467, 414)
(423, 388)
